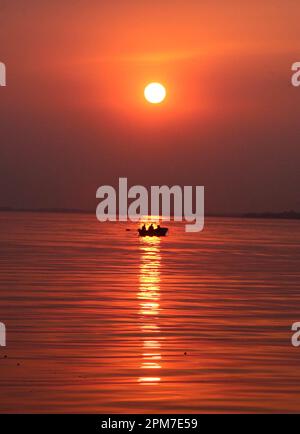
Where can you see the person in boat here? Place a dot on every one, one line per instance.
(144, 227)
(151, 228)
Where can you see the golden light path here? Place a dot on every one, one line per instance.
(149, 298)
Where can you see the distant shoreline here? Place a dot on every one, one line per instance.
(284, 215)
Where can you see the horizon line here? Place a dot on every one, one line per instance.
(291, 214)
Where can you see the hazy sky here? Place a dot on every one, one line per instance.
(73, 116)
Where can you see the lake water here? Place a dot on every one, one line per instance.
(99, 320)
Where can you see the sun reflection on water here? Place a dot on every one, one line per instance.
(149, 309)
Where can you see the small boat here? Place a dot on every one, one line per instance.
(157, 232)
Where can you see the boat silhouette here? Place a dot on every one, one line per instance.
(153, 232)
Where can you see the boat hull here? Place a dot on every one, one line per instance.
(161, 232)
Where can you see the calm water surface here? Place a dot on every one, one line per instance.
(99, 320)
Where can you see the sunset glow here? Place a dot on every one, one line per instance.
(149, 212)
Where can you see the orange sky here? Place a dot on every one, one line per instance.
(73, 116)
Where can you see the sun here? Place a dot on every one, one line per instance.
(155, 93)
